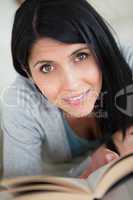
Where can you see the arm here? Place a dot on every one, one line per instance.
(99, 158)
(22, 143)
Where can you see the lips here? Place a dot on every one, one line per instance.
(76, 99)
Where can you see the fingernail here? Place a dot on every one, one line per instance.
(109, 157)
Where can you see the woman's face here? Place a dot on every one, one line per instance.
(67, 74)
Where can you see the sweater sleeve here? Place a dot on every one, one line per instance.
(22, 142)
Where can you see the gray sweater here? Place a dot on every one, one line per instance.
(35, 139)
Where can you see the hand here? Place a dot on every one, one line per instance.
(100, 157)
(124, 146)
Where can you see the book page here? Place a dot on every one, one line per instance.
(55, 188)
(94, 178)
(47, 191)
(114, 173)
(100, 180)
(54, 196)
(47, 182)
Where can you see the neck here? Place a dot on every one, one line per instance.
(86, 127)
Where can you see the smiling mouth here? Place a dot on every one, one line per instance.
(76, 99)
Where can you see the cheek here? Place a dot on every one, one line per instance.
(93, 76)
(49, 88)
(51, 92)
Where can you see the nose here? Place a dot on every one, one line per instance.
(70, 80)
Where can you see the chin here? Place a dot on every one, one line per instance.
(81, 113)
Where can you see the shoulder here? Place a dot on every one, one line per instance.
(24, 106)
(22, 93)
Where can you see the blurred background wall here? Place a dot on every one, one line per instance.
(7, 10)
(119, 13)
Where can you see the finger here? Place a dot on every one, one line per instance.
(110, 155)
(100, 158)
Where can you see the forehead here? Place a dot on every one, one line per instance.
(48, 45)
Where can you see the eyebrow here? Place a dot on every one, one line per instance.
(50, 61)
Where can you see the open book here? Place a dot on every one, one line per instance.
(56, 188)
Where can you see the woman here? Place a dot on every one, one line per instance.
(61, 107)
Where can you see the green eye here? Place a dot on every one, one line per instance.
(81, 56)
(46, 68)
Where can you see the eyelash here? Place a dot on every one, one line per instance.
(83, 53)
(82, 60)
